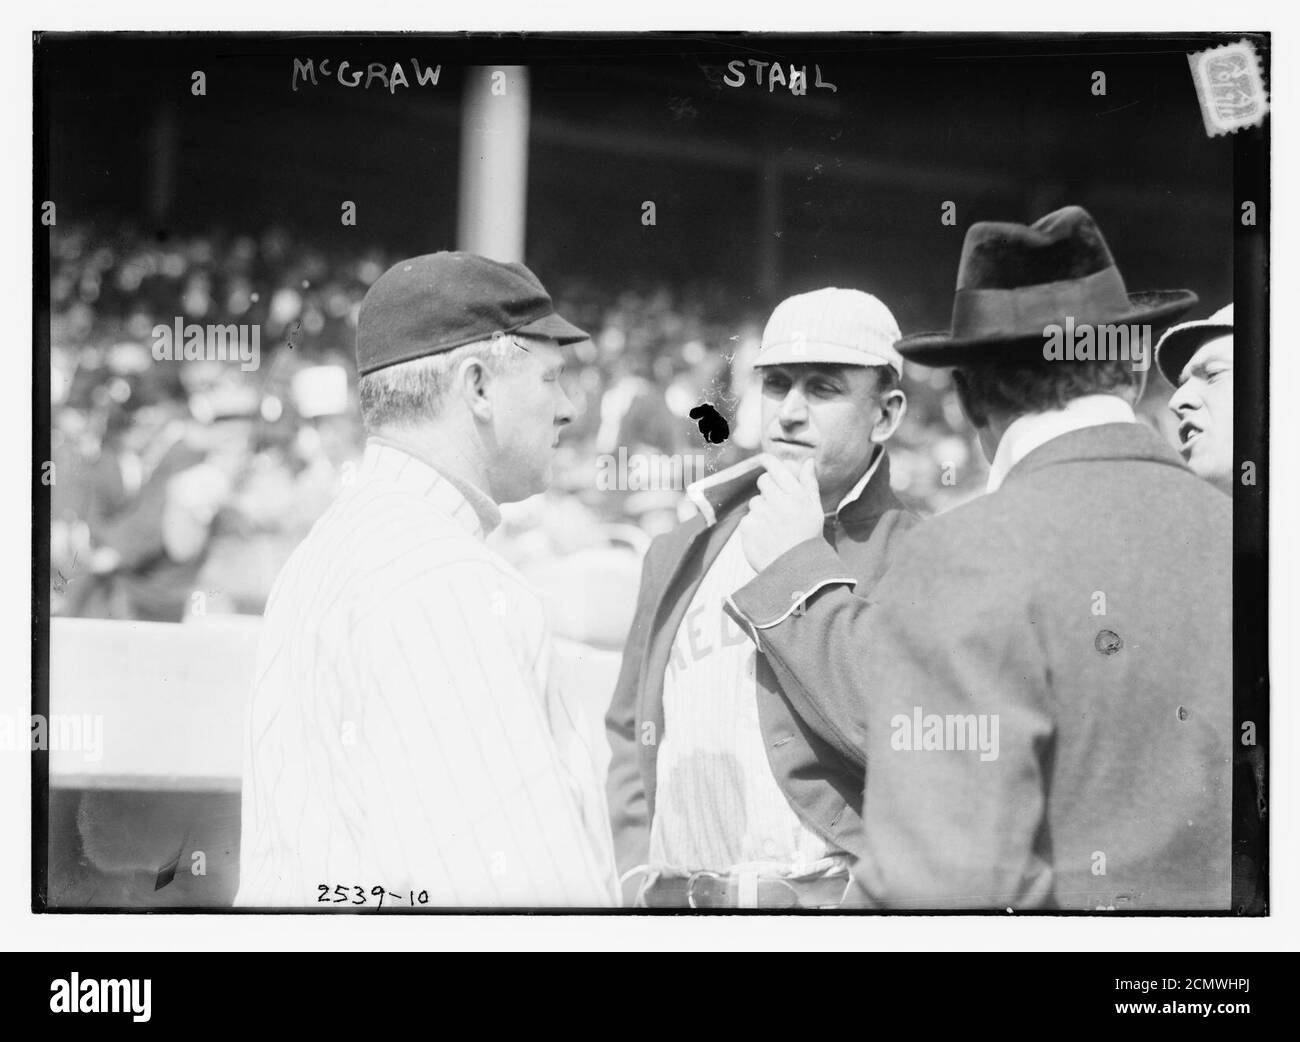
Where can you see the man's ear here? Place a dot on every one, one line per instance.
(893, 407)
(471, 385)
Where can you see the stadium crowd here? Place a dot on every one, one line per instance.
(180, 489)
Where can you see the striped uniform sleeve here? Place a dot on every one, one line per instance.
(465, 792)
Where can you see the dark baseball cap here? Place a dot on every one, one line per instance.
(430, 304)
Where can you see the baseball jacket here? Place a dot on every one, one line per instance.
(821, 779)
(1071, 634)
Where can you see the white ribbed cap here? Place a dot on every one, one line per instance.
(839, 326)
(1182, 341)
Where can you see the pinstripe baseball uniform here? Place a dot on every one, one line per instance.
(402, 731)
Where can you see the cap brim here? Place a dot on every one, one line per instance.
(942, 349)
(556, 328)
(815, 353)
(1178, 345)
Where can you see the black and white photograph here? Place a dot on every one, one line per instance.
(642, 474)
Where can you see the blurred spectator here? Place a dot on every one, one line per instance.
(155, 491)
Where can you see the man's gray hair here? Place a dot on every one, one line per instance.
(405, 394)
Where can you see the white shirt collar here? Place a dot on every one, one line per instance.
(861, 486)
(1035, 429)
(696, 490)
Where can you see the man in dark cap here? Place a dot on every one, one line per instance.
(1046, 671)
(405, 732)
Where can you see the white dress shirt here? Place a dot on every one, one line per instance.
(1035, 429)
(403, 731)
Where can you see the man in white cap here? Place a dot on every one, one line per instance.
(724, 790)
(1196, 357)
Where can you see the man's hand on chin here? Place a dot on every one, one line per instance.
(786, 512)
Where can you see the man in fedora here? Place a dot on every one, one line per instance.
(407, 743)
(1196, 357)
(1045, 671)
(722, 794)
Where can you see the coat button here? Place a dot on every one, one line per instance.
(1108, 642)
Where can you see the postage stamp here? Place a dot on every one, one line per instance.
(1229, 86)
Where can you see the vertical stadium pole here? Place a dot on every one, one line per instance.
(494, 162)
